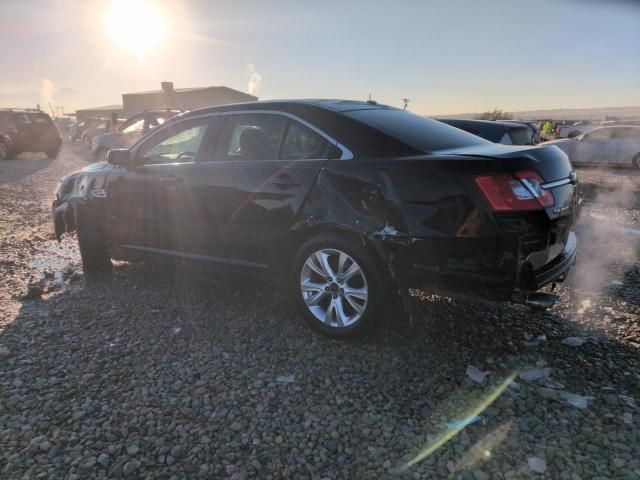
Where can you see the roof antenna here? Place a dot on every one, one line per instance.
(405, 102)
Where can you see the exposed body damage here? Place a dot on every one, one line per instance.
(449, 220)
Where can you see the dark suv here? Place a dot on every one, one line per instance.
(27, 131)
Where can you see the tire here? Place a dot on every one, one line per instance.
(101, 154)
(86, 141)
(5, 151)
(636, 161)
(53, 153)
(325, 305)
(93, 247)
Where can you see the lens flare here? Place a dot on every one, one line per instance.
(135, 25)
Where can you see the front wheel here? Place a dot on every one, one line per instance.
(93, 247)
(337, 286)
(5, 151)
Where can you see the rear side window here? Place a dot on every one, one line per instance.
(251, 137)
(421, 133)
(520, 136)
(302, 143)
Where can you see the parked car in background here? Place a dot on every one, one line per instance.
(532, 129)
(507, 133)
(573, 129)
(97, 129)
(132, 130)
(348, 201)
(618, 145)
(27, 131)
(77, 129)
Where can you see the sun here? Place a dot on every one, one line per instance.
(135, 25)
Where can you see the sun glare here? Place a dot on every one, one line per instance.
(135, 25)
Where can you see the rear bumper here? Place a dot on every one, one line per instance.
(497, 279)
(557, 269)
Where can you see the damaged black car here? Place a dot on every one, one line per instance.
(352, 202)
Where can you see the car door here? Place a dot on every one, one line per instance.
(593, 147)
(262, 167)
(149, 204)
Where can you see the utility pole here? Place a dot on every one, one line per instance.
(405, 102)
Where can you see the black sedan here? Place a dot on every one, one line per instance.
(351, 202)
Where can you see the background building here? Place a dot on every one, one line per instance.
(168, 97)
(183, 98)
(99, 112)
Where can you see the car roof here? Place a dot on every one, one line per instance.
(335, 105)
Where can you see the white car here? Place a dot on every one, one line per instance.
(618, 144)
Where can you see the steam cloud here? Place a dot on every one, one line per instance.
(606, 246)
(46, 93)
(255, 79)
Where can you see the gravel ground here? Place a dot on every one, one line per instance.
(153, 374)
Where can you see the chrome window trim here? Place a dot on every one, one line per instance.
(346, 153)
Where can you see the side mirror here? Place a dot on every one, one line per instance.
(119, 156)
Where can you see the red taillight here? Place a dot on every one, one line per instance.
(518, 191)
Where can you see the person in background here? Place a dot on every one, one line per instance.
(547, 130)
(113, 124)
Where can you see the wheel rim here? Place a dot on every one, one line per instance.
(334, 288)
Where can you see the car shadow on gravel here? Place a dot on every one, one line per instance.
(22, 166)
(194, 371)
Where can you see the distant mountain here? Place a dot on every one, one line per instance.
(67, 92)
(565, 113)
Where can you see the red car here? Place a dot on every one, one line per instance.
(27, 131)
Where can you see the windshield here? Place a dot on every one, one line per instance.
(421, 133)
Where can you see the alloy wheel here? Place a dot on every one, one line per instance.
(334, 288)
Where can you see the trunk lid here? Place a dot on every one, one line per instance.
(546, 242)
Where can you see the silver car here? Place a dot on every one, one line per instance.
(618, 144)
(132, 130)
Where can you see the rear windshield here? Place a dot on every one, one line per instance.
(520, 136)
(421, 133)
(32, 118)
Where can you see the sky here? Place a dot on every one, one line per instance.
(450, 56)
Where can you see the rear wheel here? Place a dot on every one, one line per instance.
(93, 247)
(53, 153)
(337, 286)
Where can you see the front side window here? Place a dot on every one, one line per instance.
(136, 126)
(250, 137)
(179, 143)
(626, 133)
(302, 143)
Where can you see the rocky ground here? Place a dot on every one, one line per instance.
(152, 374)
